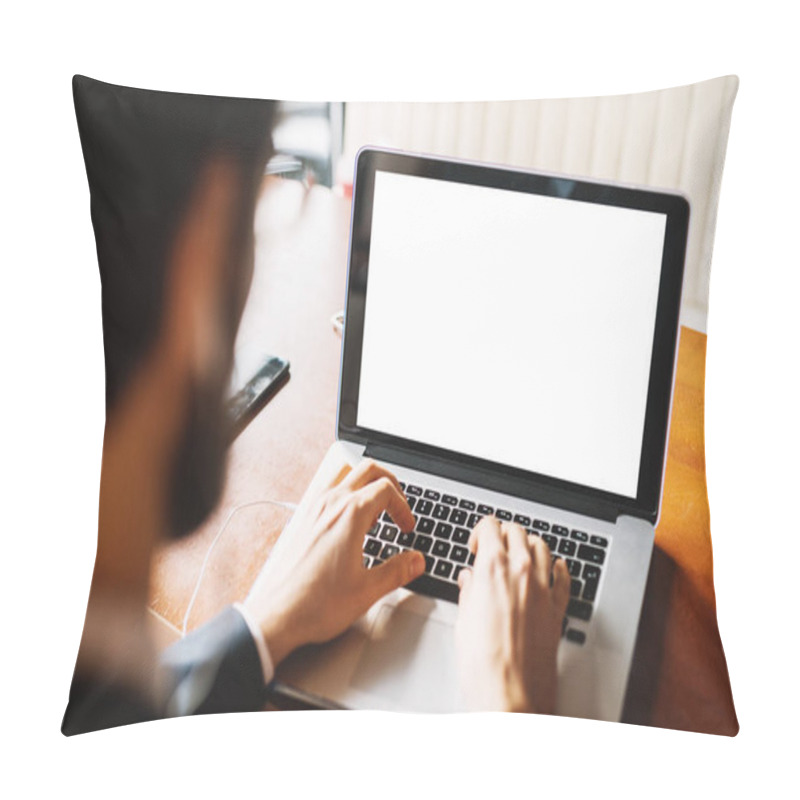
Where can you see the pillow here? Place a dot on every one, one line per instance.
(176, 182)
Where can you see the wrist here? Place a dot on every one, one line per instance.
(542, 690)
(515, 698)
(496, 690)
(277, 631)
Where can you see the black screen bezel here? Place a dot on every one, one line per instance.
(521, 482)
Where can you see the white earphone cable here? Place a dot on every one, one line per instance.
(290, 506)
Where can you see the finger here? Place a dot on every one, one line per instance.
(337, 477)
(486, 535)
(394, 573)
(542, 558)
(464, 583)
(382, 495)
(561, 584)
(366, 472)
(519, 552)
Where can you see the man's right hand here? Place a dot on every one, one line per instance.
(323, 588)
(509, 620)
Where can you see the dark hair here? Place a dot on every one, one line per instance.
(144, 151)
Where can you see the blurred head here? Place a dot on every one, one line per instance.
(174, 180)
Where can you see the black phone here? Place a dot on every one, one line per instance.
(248, 401)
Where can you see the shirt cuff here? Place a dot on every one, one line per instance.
(267, 666)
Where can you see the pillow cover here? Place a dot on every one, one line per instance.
(176, 182)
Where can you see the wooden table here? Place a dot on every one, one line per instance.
(679, 675)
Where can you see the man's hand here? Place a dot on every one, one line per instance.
(324, 587)
(509, 620)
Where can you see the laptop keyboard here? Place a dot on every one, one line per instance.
(444, 523)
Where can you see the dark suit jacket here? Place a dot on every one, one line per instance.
(214, 669)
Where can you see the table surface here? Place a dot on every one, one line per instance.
(679, 677)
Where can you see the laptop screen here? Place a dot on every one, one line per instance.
(510, 326)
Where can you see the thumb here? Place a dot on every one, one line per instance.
(396, 572)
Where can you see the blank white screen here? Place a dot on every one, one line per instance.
(512, 327)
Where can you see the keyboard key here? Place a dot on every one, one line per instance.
(443, 569)
(402, 485)
(389, 550)
(591, 573)
(373, 531)
(590, 590)
(405, 539)
(521, 519)
(503, 515)
(467, 505)
(473, 520)
(456, 571)
(551, 540)
(430, 494)
(414, 490)
(487, 511)
(458, 517)
(385, 517)
(541, 525)
(580, 536)
(579, 637)
(411, 501)
(443, 530)
(600, 541)
(574, 567)
(376, 562)
(424, 507)
(575, 587)
(449, 500)
(425, 525)
(372, 547)
(461, 535)
(579, 609)
(429, 562)
(423, 544)
(389, 533)
(441, 511)
(567, 547)
(459, 554)
(592, 554)
(366, 561)
(441, 548)
(471, 559)
(560, 530)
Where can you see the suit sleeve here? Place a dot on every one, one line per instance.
(215, 669)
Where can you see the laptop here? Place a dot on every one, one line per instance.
(509, 348)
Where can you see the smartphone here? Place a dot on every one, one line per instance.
(248, 401)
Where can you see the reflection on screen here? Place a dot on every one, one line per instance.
(512, 327)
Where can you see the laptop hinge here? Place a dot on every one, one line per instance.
(486, 479)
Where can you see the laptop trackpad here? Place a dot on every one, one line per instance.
(409, 662)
